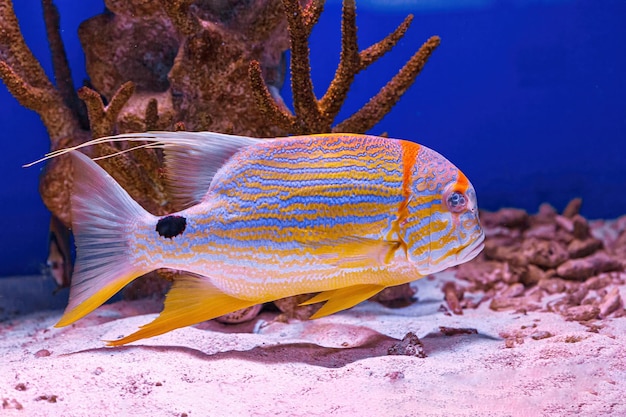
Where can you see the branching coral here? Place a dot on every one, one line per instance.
(317, 116)
(157, 64)
(152, 65)
(27, 81)
(190, 56)
(167, 65)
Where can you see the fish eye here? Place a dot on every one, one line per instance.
(456, 202)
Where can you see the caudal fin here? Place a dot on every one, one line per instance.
(103, 215)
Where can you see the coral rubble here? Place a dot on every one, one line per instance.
(551, 262)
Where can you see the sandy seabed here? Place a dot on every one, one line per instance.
(335, 366)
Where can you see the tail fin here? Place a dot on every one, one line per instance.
(102, 216)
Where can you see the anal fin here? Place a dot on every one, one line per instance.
(342, 298)
(191, 300)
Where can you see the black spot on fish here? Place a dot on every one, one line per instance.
(171, 226)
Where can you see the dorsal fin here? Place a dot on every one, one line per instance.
(193, 158)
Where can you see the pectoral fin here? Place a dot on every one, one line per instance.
(192, 299)
(342, 298)
(357, 252)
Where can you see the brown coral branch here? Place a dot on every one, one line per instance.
(371, 54)
(34, 98)
(139, 172)
(379, 105)
(15, 52)
(29, 84)
(187, 55)
(26, 79)
(102, 118)
(311, 14)
(349, 66)
(304, 100)
(352, 62)
(152, 115)
(267, 105)
(178, 12)
(62, 72)
(258, 26)
(317, 116)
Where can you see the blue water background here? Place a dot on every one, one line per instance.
(527, 97)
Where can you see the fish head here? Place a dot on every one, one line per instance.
(442, 227)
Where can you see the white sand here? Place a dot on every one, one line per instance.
(335, 366)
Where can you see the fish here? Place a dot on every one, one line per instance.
(339, 215)
(59, 262)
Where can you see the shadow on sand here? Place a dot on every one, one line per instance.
(376, 345)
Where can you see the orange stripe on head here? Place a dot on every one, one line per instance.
(462, 183)
(409, 157)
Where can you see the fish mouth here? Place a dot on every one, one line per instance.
(472, 250)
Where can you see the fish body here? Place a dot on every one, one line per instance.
(341, 215)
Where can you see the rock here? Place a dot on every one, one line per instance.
(241, 316)
(510, 254)
(396, 297)
(453, 331)
(610, 302)
(532, 275)
(514, 290)
(573, 207)
(598, 282)
(544, 231)
(581, 227)
(544, 253)
(291, 307)
(582, 313)
(485, 275)
(580, 248)
(453, 295)
(577, 295)
(526, 303)
(541, 335)
(526, 257)
(546, 214)
(507, 217)
(553, 285)
(583, 268)
(410, 345)
(565, 223)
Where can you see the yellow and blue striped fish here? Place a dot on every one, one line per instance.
(341, 215)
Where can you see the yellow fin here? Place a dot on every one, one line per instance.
(102, 213)
(343, 298)
(192, 299)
